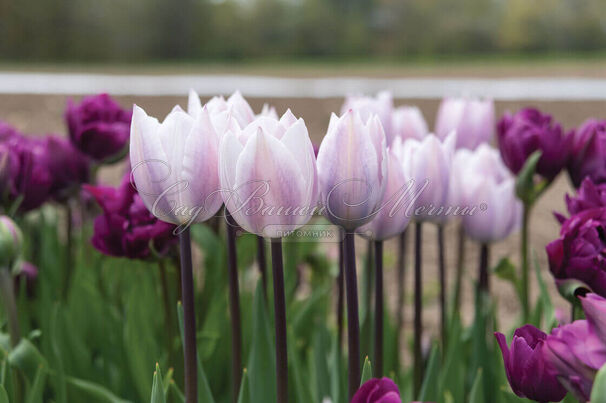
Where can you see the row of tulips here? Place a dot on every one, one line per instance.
(377, 169)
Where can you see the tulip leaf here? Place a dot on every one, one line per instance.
(94, 392)
(506, 270)
(157, 395)
(598, 393)
(429, 391)
(452, 375)
(27, 358)
(204, 393)
(3, 395)
(303, 391)
(476, 395)
(34, 395)
(261, 361)
(525, 185)
(176, 394)
(244, 395)
(366, 371)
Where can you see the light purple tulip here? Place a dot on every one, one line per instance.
(472, 119)
(408, 123)
(352, 167)
(381, 105)
(427, 162)
(481, 182)
(269, 111)
(391, 218)
(268, 174)
(175, 163)
(236, 104)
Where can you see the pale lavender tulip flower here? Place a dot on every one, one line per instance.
(381, 105)
(268, 175)
(483, 189)
(175, 164)
(427, 163)
(352, 167)
(472, 119)
(391, 219)
(408, 123)
(236, 104)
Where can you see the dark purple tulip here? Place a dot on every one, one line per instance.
(589, 196)
(580, 251)
(28, 274)
(527, 131)
(588, 156)
(69, 168)
(126, 228)
(528, 373)
(99, 127)
(377, 390)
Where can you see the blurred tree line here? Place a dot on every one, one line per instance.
(150, 30)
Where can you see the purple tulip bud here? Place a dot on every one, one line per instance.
(126, 228)
(528, 373)
(28, 273)
(377, 390)
(268, 175)
(472, 120)
(98, 127)
(68, 167)
(580, 250)
(427, 163)
(408, 123)
(481, 183)
(588, 157)
(381, 105)
(527, 131)
(575, 353)
(175, 163)
(589, 196)
(392, 218)
(352, 167)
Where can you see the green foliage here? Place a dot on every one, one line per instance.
(366, 371)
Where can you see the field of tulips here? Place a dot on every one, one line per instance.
(222, 253)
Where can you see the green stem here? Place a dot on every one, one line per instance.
(8, 299)
(460, 268)
(525, 284)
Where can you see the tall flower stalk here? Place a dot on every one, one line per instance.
(402, 238)
(234, 306)
(353, 321)
(442, 276)
(262, 263)
(280, 320)
(378, 346)
(418, 310)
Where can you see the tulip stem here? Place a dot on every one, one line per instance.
(353, 324)
(262, 262)
(366, 337)
(280, 320)
(69, 254)
(189, 319)
(234, 305)
(418, 320)
(8, 299)
(442, 275)
(524, 251)
(340, 299)
(483, 280)
(401, 289)
(378, 364)
(460, 268)
(168, 317)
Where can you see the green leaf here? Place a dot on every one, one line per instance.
(507, 271)
(429, 391)
(94, 392)
(27, 358)
(598, 393)
(157, 395)
(244, 395)
(302, 385)
(525, 186)
(452, 375)
(366, 371)
(545, 298)
(34, 395)
(3, 395)
(177, 395)
(204, 392)
(261, 361)
(477, 394)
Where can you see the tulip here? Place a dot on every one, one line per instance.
(11, 242)
(576, 353)
(472, 119)
(381, 105)
(579, 252)
(28, 273)
(175, 165)
(408, 123)
(589, 196)
(126, 228)
(588, 154)
(352, 169)
(390, 220)
(527, 131)
(377, 390)
(69, 168)
(236, 104)
(99, 127)
(528, 372)
(268, 172)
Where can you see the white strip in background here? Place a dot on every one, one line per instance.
(522, 88)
